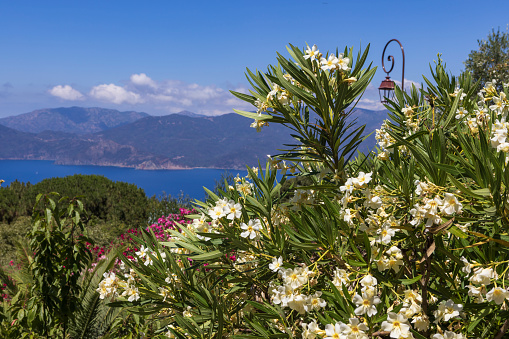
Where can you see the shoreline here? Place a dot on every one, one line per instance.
(135, 167)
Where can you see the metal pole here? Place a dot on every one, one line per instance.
(391, 58)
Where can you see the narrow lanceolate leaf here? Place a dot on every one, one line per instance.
(499, 241)
(411, 281)
(445, 225)
(208, 255)
(253, 115)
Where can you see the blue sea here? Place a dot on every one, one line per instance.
(173, 182)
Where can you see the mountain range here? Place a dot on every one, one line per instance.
(106, 137)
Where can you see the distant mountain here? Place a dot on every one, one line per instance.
(190, 114)
(373, 120)
(74, 149)
(163, 142)
(224, 141)
(79, 120)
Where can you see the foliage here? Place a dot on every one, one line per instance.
(411, 242)
(166, 204)
(112, 208)
(60, 256)
(104, 199)
(491, 60)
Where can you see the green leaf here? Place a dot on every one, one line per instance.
(484, 192)
(411, 281)
(457, 232)
(252, 115)
(208, 255)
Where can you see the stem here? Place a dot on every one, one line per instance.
(502, 330)
(426, 273)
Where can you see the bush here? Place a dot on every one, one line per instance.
(410, 242)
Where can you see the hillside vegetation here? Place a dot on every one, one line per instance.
(111, 208)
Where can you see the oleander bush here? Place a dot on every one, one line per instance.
(409, 241)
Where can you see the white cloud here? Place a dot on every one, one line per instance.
(66, 92)
(160, 97)
(372, 104)
(143, 80)
(115, 94)
(408, 84)
(208, 100)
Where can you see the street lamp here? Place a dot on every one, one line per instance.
(386, 89)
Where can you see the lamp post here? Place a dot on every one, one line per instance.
(386, 89)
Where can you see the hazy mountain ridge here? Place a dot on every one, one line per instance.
(161, 142)
(79, 120)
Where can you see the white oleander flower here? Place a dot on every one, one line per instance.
(366, 304)
(310, 330)
(385, 234)
(143, 252)
(498, 295)
(421, 322)
(217, 212)
(397, 324)
(298, 303)
(421, 187)
(498, 105)
(407, 111)
(448, 335)
(251, 230)
(362, 179)
(499, 135)
(132, 293)
(348, 216)
(372, 201)
(329, 63)
(354, 329)
(295, 277)
(342, 64)
(348, 186)
(258, 124)
(312, 53)
(461, 113)
(333, 331)
(447, 310)
(451, 204)
(314, 302)
(368, 281)
(483, 276)
(187, 312)
(340, 278)
(233, 210)
(276, 264)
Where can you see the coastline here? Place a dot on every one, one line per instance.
(146, 166)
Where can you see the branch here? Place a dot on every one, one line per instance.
(502, 330)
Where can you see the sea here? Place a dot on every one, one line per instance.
(190, 182)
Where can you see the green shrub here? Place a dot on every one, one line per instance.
(410, 242)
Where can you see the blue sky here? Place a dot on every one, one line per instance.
(162, 57)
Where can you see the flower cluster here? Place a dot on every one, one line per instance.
(290, 292)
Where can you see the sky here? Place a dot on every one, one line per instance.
(163, 57)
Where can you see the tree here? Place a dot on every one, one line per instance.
(491, 60)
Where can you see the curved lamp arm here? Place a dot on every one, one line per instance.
(391, 59)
